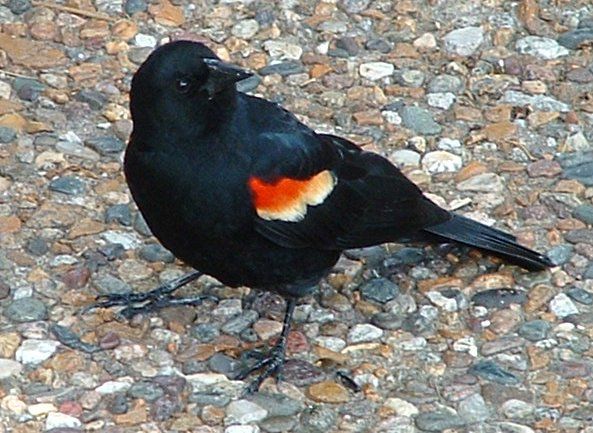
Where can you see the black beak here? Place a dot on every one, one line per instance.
(223, 75)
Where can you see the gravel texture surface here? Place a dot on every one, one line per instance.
(488, 106)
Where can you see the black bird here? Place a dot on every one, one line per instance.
(238, 188)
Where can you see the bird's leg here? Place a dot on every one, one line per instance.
(158, 298)
(273, 363)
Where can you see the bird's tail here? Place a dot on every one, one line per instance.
(497, 242)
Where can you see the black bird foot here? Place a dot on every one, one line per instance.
(272, 364)
(137, 303)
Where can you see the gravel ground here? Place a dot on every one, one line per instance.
(487, 105)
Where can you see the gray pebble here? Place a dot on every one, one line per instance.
(19, 6)
(380, 45)
(580, 295)
(278, 405)
(221, 363)
(112, 251)
(317, 419)
(499, 298)
(213, 399)
(204, 332)
(490, 370)
(133, 6)
(105, 145)
(140, 225)
(439, 420)
(445, 83)
(535, 330)
(265, 16)
(37, 246)
(406, 256)
(108, 284)
(27, 89)
(290, 67)
(70, 185)
(145, 390)
(164, 407)
(119, 213)
(248, 84)
(118, 405)
(240, 322)
(26, 310)
(419, 120)
(7, 134)
(156, 253)
(575, 38)
(387, 321)
(380, 290)
(96, 100)
(584, 213)
(560, 254)
(278, 424)
(474, 409)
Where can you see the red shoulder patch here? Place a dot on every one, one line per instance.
(287, 199)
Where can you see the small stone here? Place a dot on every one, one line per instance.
(289, 67)
(278, 405)
(401, 407)
(440, 161)
(95, 100)
(491, 371)
(574, 39)
(541, 47)
(535, 330)
(283, 50)
(239, 322)
(220, 363)
(119, 213)
(18, 7)
(425, 42)
(577, 142)
(144, 40)
(301, 373)
(439, 421)
(58, 420)
(443, 101)
(380, 45)
(560, 254)
(27, 89)
(245, 29)
(465, 41)
(105, 145)
(538, 102)
(412, 78)
(166, 14)
(445, 83)
(473, 409)
(380, 290)
(517, 409)
(328, 392)
(364, 332)
(7, 134)
(244, 412)
(205, 332)
(134, 6)
(156, 253)
(9, 368)
(405, 157)
(113, 387)
(419, 120)
(584, 213)
(70, 185)
(37, 246)
(145, 390)
(376, 70)
(544, 168)
(108, 284)
(580, 295)
(485, 182)
(266, 329)
(36, 351)
(561, 306)
(26, 310)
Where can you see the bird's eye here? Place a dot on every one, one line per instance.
(182, 85)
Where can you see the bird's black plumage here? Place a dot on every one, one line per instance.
(207, 166)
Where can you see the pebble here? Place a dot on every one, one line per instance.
(560, 254)
(70, 185)
(153, 253)
(561, 306)
(205, 332)
(440, 161)
(535, 330)
(485, 182)
(318, 419)
(473, 409)
(245, 29)
(405, 157)
(113, 387)
(133, 6)
(37, 246)
(26, 310)
(540, 47)
(105, 145)
(119, 213)
(239, 322)
(27, 89)
(95, 100)
(376, 70)
(220, 363)
(145, 390)
(108, 284)
(445, 83)
(289, 67)
(538, 102)
(9, 368)
(489, 370)
(242, 429)
(19, 7)
(144, 40)
(427, 41)
(517, 409)
(443, 101)
(411, 78)
(36, 351)
(419, 120)
(364, 332)
(283, 50)
(584, 213)
(328, 392)
(301, 373)
(59, 420)
(7, 135)
(465, 41)
(244, 412)
(580, 295)
(574, 39)
(380, 290)
(440, 420)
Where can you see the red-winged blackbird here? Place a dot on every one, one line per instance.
(238, 188)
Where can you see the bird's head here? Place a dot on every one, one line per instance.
(180, 82)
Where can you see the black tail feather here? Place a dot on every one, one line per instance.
(497, 242)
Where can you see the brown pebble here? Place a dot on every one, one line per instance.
(109, 341)
(328, 392)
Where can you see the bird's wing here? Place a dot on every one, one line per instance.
(322, 191)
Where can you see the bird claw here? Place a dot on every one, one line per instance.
(271, 365)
